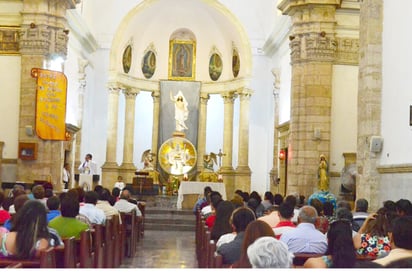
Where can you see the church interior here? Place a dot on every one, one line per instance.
(292, 97)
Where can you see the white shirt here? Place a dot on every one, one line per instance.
(95, 215)
(119, 185)
(88, 167)
(124, 206)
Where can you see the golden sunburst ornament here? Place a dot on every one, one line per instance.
(177, 156)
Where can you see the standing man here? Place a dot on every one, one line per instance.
(66, 175)
(88, 166)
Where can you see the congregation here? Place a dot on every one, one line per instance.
(33, 221)
(286, 232)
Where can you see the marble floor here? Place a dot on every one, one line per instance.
(164, 249)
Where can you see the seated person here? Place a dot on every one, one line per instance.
(67, 225)
(89, 209)
(267, 252)
(29, 233)
(119, 184)
(123, 205)
(53, 204)
(230, 251)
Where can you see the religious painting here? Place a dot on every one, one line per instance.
(215, 66)
(235, 63)
(182, 60)
(149, 64)
(177, 156)
(127, 59)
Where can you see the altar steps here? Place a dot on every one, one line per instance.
(169, 219)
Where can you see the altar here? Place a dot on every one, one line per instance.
(189, 192)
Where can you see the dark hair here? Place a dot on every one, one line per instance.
(241, 217)
(207, 190)
(98, 189)
(91, 197)
(19, 202)
(269, 196)
(115, 192)
(340, 244)
(361, 205)
(256, 196)
(286, 210)
(291, 199)
(215, 198)
(245, 196)
(404, 207)
(222, 225)
(328, 208)
(48, 193)
(90, 156)
(53, 203)
(254, 230)
(31, 218)
(104, 195)
(38, 191)
(344, 204)
(390, 205)
(317, 204)
(69, 206)
(277, 199)
(402, 231)
(381, 225)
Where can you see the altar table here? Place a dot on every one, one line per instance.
(197, 188)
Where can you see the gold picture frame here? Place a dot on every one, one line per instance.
(182, 60)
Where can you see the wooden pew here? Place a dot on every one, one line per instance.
(211, 254)
(86, 253)
(98, 245)
(46, 259)
(108, 243)
(66, 256)
(130, 223)
(300, 258)
(116, 239)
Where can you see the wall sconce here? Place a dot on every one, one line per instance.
(322, 34)
(32, 25)
(282, 154)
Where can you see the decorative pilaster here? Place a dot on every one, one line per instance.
(274, 173)
(313, 51)
(155, 129)
(82, 64)
(228, 99)
(226, 169)
(127, 167)
(243, 172)
(369, 99)
(201, 140)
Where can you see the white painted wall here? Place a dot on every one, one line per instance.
(397, 83)
(344, 115)
(10, 104)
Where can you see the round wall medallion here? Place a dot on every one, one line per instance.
(215, 66)
(149, 64)
(127, 59)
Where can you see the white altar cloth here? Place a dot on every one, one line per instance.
(198, 188)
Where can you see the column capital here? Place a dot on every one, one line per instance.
(290, 7)
(229, 97)
(204, 98)
(245, 94)
(113, 90)
(130, 93)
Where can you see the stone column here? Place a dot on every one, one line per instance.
(127, 168)
(369, 99)
(201, 140)
(110, 167)
(274, 173)
(42, 35)
(155, 129)
(313, 48)
(243, 172)
(82, 64)
(226, 169)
